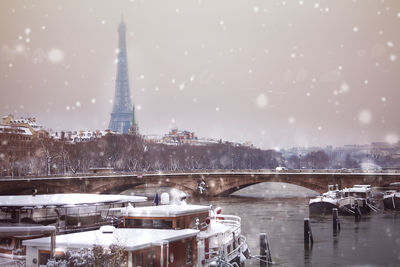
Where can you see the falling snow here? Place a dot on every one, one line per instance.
(261, 101)
(55, 55)
(365, 116)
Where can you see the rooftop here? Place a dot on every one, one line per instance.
(65, 200)
(130, 238)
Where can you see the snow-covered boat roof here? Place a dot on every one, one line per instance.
(328, 199)
(130, 238)
(358, 188)
(167, 210)
(30, 201)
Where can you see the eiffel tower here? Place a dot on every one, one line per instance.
(122, 113)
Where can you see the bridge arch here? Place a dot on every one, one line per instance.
(224, 186)
(232, 190)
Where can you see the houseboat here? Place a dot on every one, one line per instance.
(324, 203)
(66, 213)
(356, 200)
(141, 247)
(391, 200)
(219, 239)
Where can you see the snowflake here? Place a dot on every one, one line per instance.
(365, 116)
(55, 55)
(261, 101)
(344, 87)
(389, 44)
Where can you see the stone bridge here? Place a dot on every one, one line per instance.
(216, 183)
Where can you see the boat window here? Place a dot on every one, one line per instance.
(43, 258)
(5, 242)
(138, 223)
(189, 252)
(138, 259)
(162, 224)
(148, 223)
(150, 259)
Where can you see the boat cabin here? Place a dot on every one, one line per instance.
(68, 212)
(142, 247)
(175, 216)
(358, 191)
(65, 212)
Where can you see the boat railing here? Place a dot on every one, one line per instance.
(229, 220)
(217, 253)
(238, 249)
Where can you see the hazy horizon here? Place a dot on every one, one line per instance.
(275, 73)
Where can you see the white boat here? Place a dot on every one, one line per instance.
(324, 203)
(219, 238)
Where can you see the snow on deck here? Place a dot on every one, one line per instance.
(130, 238)
(65, 199)
(215, 228)
(167, 210)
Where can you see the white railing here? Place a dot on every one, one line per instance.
(215, 254)
(231, 221)
(230, 237)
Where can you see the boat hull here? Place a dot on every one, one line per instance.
(392, 202)
(321, 207)
(351, 206)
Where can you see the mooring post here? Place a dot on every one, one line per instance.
(307, 232)
(263, 250)
(336, 223)
(357, 212)
(53, 244)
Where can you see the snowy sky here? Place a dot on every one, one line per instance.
(276, 73)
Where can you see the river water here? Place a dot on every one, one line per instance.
(372, 241)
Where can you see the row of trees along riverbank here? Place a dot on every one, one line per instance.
(130, 153)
